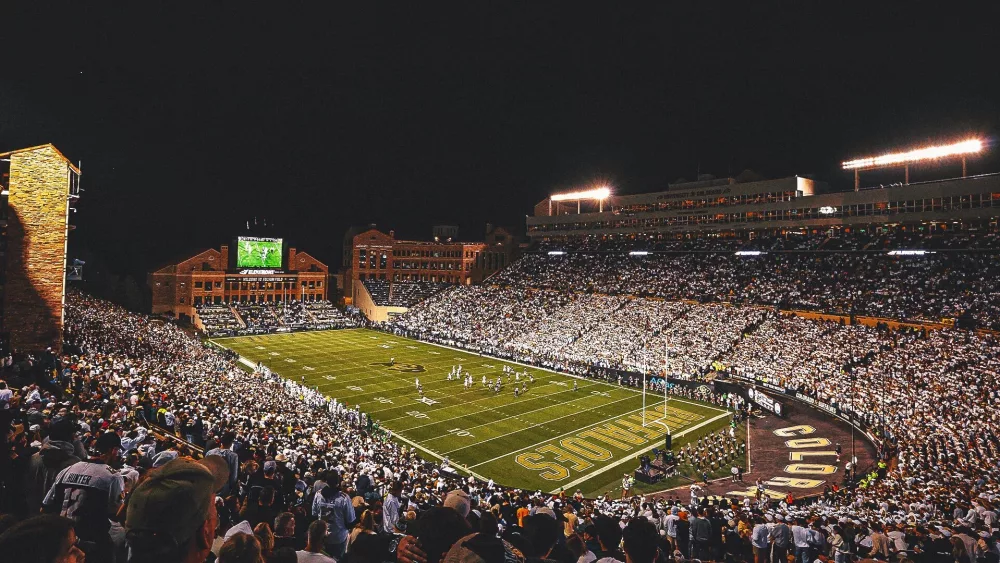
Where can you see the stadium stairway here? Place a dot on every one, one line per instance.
(236, 314)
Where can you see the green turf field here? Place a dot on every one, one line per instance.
(548, 438)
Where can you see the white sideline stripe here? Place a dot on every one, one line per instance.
(552, 403)
(439, 456)
(610, 466)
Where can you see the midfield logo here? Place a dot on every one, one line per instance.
(405, 368)
(427, 401)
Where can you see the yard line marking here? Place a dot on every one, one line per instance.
(522, 413)
(349, 357)
(564, 374)
(542, 424)
(612, 465)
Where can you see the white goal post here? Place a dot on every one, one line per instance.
(661, 420)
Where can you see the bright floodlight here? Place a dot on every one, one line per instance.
(596, 193)
(929, 153)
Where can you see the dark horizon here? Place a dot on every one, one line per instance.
(190, 124)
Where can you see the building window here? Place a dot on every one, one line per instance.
(197, 285)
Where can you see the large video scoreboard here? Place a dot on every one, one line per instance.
(259, 253)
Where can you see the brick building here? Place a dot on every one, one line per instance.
(38, 185)
(209, 278)
(376, 255)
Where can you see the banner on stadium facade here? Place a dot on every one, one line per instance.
(765, 401)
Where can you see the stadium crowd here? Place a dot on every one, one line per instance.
(262, 318)
(848, 273)
(102, 440)
(290, 475)
(402, 293)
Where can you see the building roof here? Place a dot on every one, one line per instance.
(46, 145)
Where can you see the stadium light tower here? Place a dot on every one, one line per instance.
(894, 160)
(598, 194)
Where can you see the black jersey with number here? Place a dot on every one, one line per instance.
(86, 492)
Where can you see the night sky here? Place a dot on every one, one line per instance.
(191, 122)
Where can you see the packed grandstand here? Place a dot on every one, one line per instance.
(262, 318)
(307, 472)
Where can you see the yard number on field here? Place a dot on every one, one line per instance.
(354, 388)
(329, 377)
(384, 400)
(460, 432)
(417, 414)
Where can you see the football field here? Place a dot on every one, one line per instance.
(550, 437)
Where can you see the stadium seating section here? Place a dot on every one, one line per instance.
(402, 293)
(691, 307)
(262, 318)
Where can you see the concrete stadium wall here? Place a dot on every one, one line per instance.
(375, 313)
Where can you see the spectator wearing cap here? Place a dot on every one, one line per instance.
(45, 538)
(265, 476)
(57, 453)
(90, 493)
(171, 516)
(459, 501)
(225, 451)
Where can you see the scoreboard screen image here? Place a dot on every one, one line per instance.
(257, 252)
